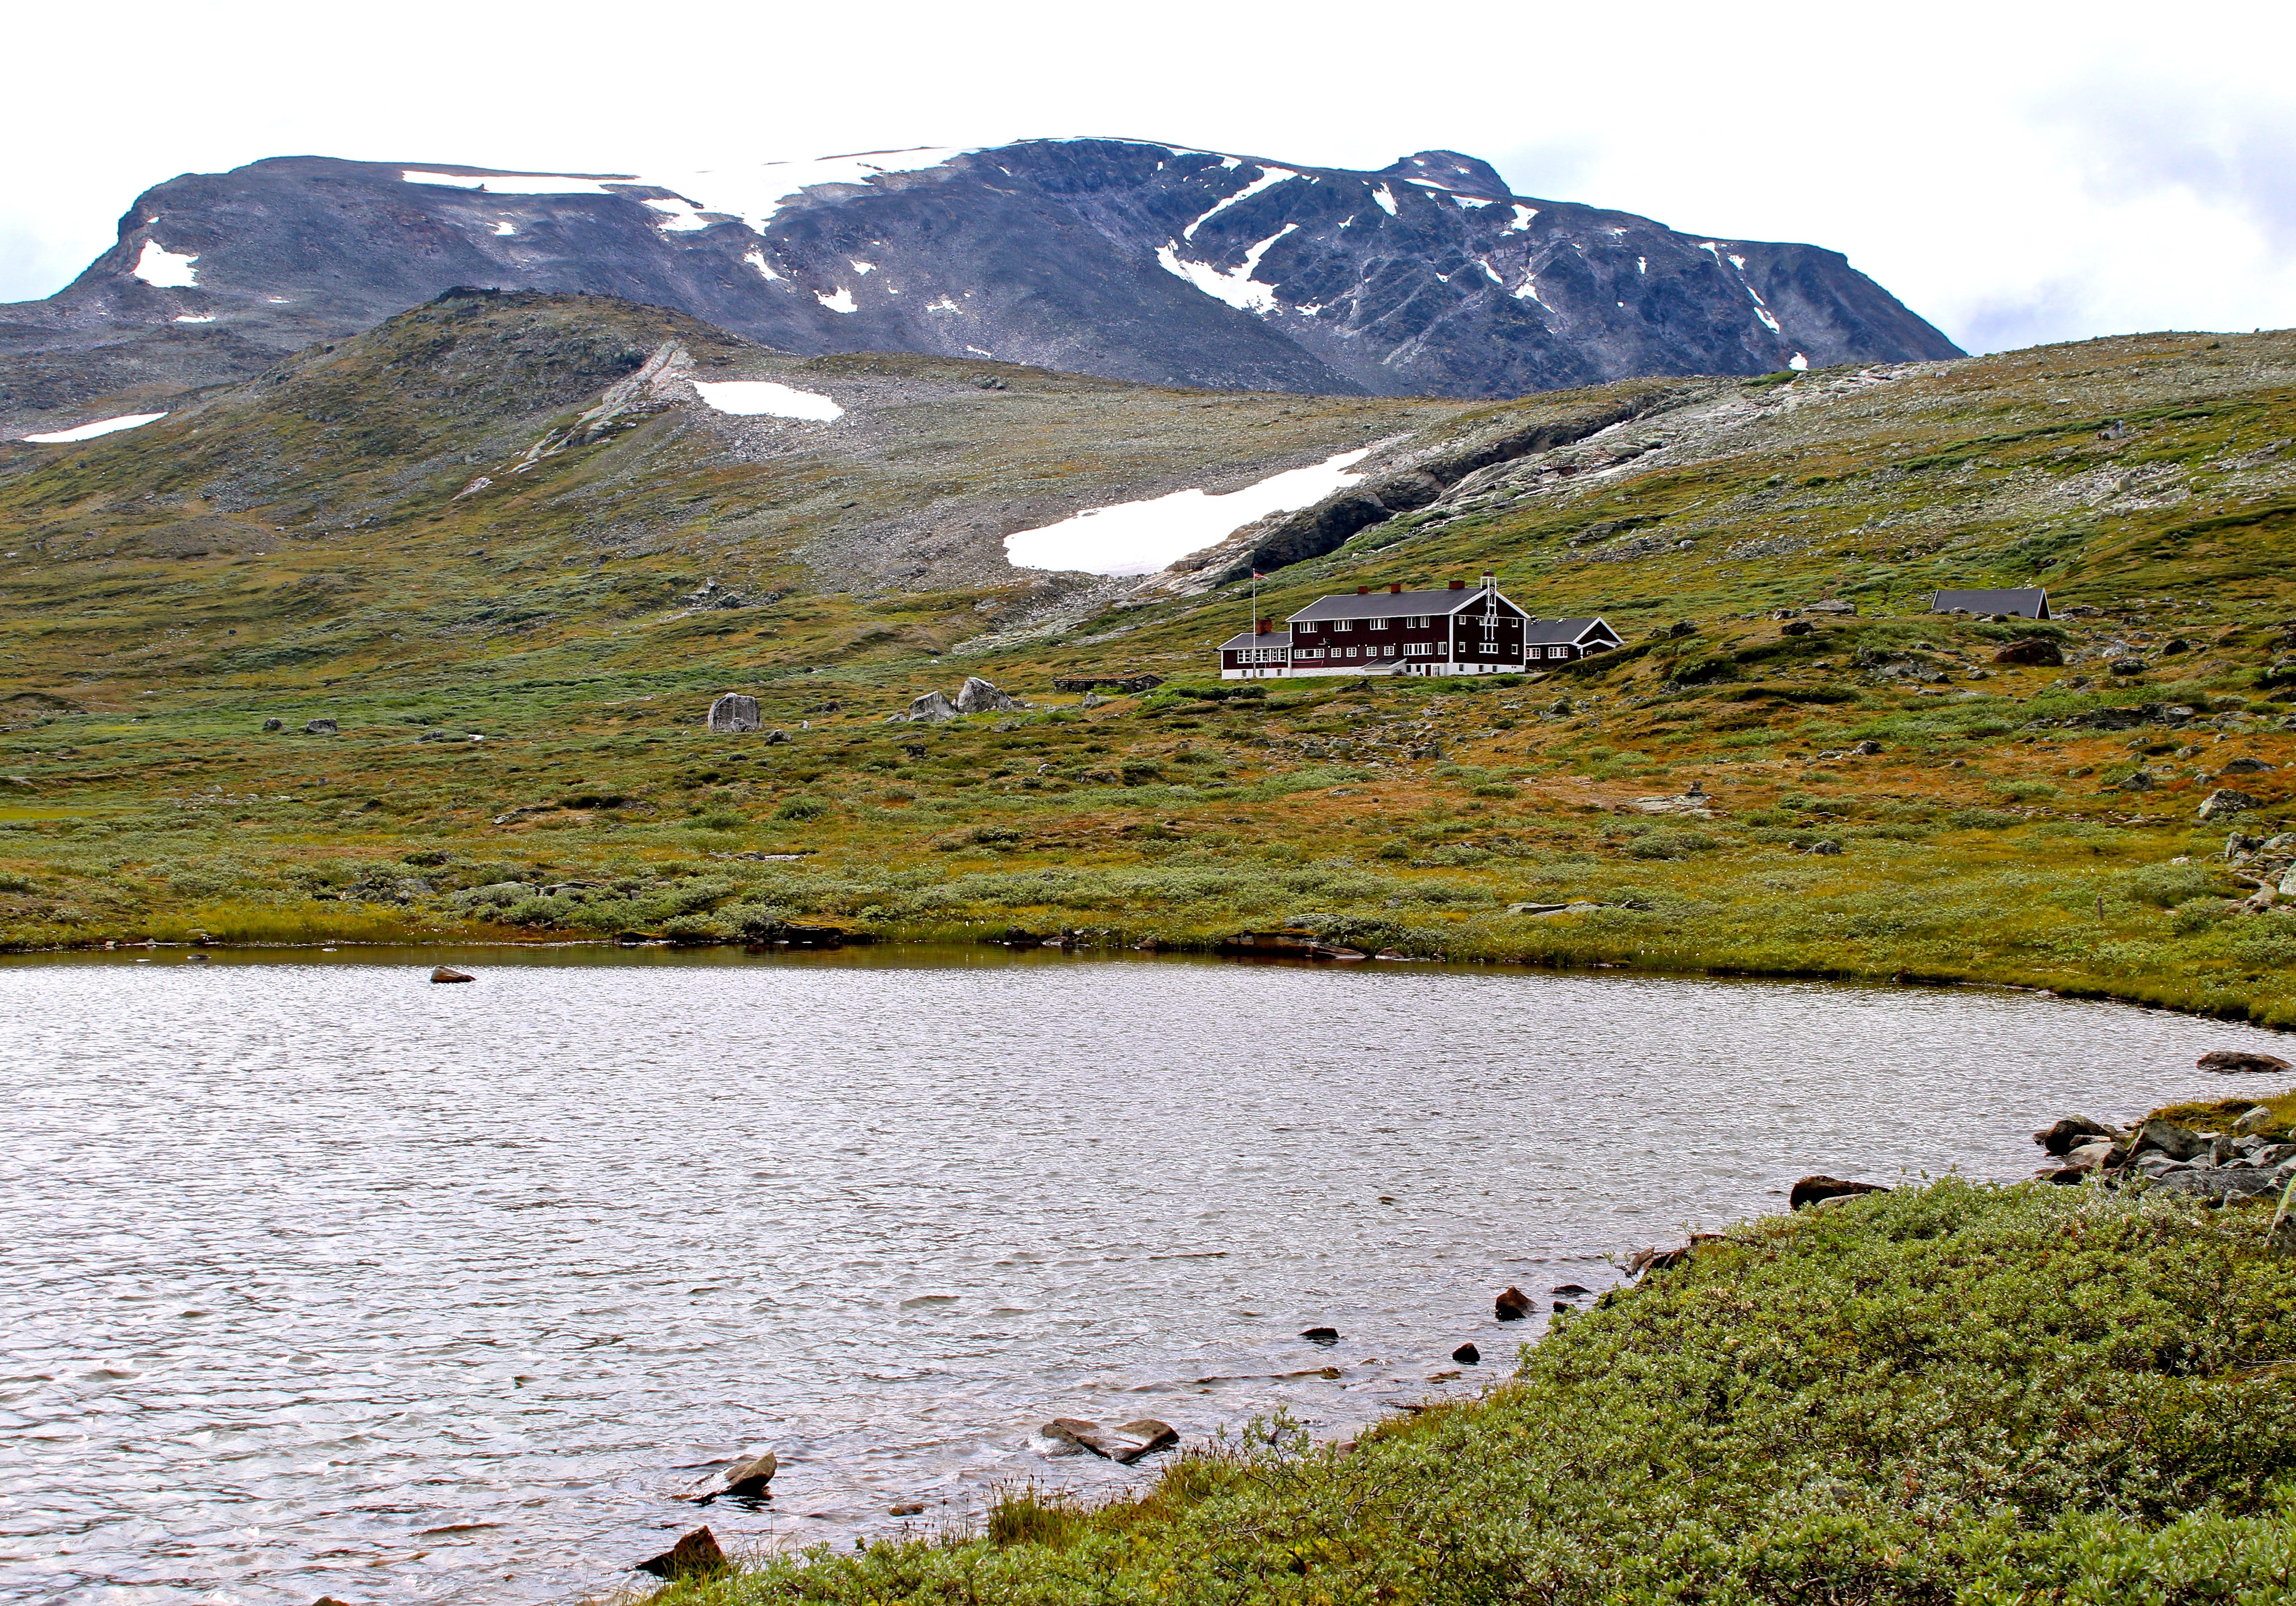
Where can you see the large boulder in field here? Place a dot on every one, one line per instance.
(976, 695)
(2036, 650)
(2225, 801)
(930, 708)
(734, 714)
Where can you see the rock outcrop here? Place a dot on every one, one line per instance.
(1123, 1444)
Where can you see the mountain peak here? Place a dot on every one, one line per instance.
(1451, 170)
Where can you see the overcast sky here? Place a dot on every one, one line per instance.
(2015, 173)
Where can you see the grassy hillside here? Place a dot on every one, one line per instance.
(298, 548)
(1951, 1394)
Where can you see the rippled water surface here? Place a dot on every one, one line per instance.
(317, 1278)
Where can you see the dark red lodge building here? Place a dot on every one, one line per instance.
(1453, 631)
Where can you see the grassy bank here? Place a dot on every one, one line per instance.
(1950, 1393)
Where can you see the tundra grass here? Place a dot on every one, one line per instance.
(1994, 836)
(1952, 1393)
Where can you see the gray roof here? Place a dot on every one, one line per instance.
(1237, 643)
(2032, 603)
(1383, 603)
(1548, 632)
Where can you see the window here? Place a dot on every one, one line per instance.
(1343, 625)
(1422, 649)
(1379, 624)
(1308, 652)
(1419, 621)
(1304, 625)
(1353, 651)
(1558, 652)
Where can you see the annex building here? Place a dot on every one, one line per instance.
(1453, 631)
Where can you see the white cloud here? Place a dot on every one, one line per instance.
(2014, 173)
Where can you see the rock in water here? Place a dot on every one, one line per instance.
(1467, 1355)
(930, 708)
(1811, 1190)
(2240, 1059)
(694, 1555)
(1513, 1305)
(2060, 1137)
(2225, 801)
(444, 972)
(976, 695)
(748, 1478)
(1321, 1335)
(323, 728)
(1123, 1444)
(734, 715)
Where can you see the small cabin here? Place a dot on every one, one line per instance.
(2029, 604)
(1457, 630)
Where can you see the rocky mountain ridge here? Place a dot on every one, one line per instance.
(1119, 259)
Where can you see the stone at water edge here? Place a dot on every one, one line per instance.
(444, 972)
(1512, 1304)
(1123, 1444)
(976, 695)
(2177, 1142)
(694, 1555)
(749, 1478)
(734, 715)
(1467, 1355)
(1816, 1190)
(2255, 1121)
(2235, 1060)
(1321, 1335)
(1572, 1288)
(2061, 1136)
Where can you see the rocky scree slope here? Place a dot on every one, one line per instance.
(1124, 258)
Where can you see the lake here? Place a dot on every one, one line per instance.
(319, 1279)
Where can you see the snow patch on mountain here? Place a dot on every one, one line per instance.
(763, 399)
(166, 269)
(1141, 537)
(102, 426)
(1268, 178)
(842, 301)
(1235, 286)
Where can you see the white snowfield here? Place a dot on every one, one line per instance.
(763, 399)
(1235, 286)
(752, 195)
(1140, 538)
(166, 269)
(102, 426)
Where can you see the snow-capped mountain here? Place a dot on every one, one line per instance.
(1122, 258)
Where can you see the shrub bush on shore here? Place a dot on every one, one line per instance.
(1955, 1393)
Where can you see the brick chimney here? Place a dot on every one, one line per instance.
(1394, 588)
(1363, 590)
(1458, 585)
(1261, 627)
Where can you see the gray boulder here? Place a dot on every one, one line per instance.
(2255, 1121)
(931, 709)
(275, 724)
(2224, 801)
(323, 728)
(2237, 1060)
(976, 695)
(2218, 1181)
(734, 715)
(2177, 1142)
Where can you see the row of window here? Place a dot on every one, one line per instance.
(1415, 622)
(1410, 650)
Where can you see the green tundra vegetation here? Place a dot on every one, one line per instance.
(319, 544)
(1953, 1393)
